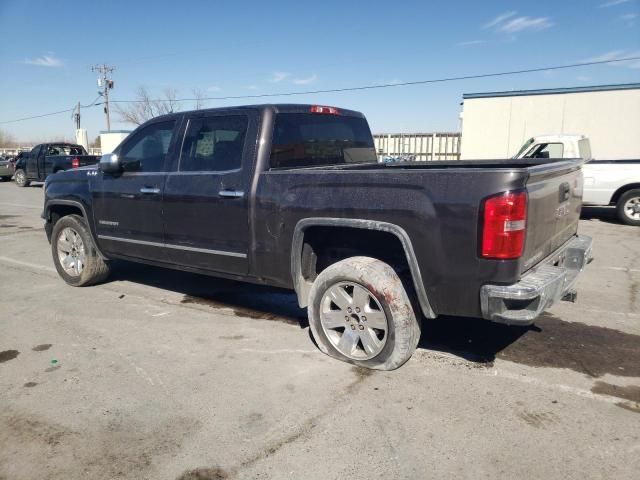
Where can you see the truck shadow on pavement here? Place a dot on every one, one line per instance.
(550, 342)
(241, 299)
(604, 214)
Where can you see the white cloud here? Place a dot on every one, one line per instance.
(520, 24)
(44, 61)
(279, 76)
(499, 19)
(305, 81)
(629, 19)
(469, 43)
(618, 54)
(213, 89)
(612, 3)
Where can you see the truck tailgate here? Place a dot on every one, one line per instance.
(553, 212)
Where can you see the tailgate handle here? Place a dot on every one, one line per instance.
(564, 192)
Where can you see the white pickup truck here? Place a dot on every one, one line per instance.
(606, 182)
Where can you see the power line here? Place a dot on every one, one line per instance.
(399, 84)
(351, 89)
(92, 104)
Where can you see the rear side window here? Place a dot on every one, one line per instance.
(310, 140)
(214, 144)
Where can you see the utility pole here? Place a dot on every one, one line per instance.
(104, 85)
(76, 116)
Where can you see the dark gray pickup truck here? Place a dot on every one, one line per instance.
(49, 158)
(292, 196)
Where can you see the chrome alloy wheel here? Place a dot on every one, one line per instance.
(71, 252)
(632, 208)
(353, 320)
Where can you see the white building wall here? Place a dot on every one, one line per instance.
(496, 127)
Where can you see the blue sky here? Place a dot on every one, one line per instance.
(243, 48)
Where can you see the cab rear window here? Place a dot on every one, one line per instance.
(313, 140)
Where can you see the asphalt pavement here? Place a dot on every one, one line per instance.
(160, 374)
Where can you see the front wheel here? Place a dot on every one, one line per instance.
(74, 253)
(359, 312)
(628, 207)
(21, 178)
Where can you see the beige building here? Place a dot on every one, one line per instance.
(495, 125)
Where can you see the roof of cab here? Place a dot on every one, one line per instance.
(275, 107)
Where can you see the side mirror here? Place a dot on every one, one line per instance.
(110, 163)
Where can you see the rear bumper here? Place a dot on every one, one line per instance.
(550, 281)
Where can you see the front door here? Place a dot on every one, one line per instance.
(206, 196)
(31, 163)
(127, 206)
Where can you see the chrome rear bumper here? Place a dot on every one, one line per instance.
(548, 282)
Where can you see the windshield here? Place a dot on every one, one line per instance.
(311, 140)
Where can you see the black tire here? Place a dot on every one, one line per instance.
(21, 178)
(625, 215)
(385, 286)
(95, 269)
(5, 179)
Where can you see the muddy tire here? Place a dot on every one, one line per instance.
(20, 178)
(628, 207)
(360, 313)
(74, 253)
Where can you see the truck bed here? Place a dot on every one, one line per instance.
(439, 203)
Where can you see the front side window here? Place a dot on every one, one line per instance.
(546, 150)
(311, 140)
(147, 150)
(214, 144)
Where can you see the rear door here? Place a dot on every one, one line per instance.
(555, 200)
(206, 198)
(127, 206)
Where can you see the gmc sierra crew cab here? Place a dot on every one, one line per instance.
(48, 158)
(293, 196)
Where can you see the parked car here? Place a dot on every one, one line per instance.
(48, 158)
(606, 182)
(293, 196)
(5, 169)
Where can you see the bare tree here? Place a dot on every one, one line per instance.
(146, 107)
(7, 140)
(199, 98)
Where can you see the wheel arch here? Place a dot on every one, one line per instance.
(622, 190)
(70, 207)
(302, 286)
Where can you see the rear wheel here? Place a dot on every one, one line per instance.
(21, 178)
(359, 312)
(628, 207)
(74, 253)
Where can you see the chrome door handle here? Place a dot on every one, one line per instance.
(151, 190)
(231, 193)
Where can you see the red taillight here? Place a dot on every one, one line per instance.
(504, 225)
(327, 110)
(75, 162)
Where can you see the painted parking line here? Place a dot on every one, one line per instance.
(34, 266)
